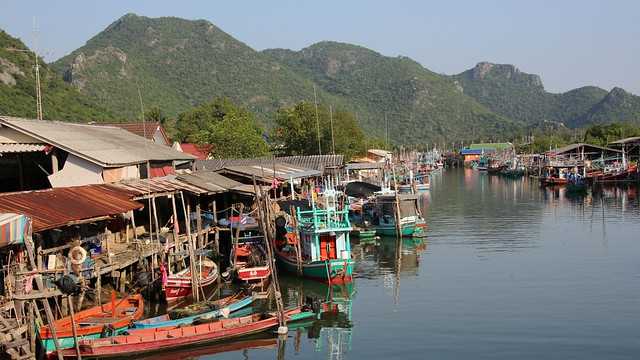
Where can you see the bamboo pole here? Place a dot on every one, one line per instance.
(74, 328)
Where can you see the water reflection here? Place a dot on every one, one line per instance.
(509, 269)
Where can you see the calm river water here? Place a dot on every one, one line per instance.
(508, 271)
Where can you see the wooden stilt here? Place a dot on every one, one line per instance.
(398, 216)
(74, 328)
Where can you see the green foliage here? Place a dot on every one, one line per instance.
(604, 134)
(60, 101)
(419, 105)
(155, 114)
(296, 131)
(519, 96)
(177, 64)
(232, 130)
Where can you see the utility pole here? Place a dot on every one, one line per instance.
(386, 131)
(333, 142)
(315, 100)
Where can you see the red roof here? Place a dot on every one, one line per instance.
(199, 151)
(146, 129)
(58, 207)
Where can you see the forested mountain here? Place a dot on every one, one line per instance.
(522, 97)
(617, 105)
(418, 103)
(178, 64)
(60, 101)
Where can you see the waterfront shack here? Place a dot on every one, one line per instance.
(44, 154)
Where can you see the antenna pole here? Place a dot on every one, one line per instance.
(315, 100)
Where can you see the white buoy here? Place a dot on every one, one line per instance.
(283, 330)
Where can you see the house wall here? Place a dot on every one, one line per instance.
(111, 175)
(76, 172)
(470, 158)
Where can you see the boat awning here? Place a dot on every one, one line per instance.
(14, 229)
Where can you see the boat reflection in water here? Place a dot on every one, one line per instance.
(331, 332)
(257, 342)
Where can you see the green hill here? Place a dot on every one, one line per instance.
(178, 64)
(506, 90)
(420, 105)
(60, 101)
(617, 106)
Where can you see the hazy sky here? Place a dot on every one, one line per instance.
(568, 43)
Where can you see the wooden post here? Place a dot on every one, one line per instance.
(199, 225)
(98, 285)
(45, 302)
(155, 218)
(397, 197)
(216, 236)
(192, 261)
(297, 245)
(74, 328)
(133, 223)
(270, 259)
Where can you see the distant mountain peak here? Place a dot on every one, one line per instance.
(485, 70)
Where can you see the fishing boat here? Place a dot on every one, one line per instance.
(323, 250)
(179, 284)
(117, 315)
(249, 260)
(141, 341)
(363, 233)
(221, 308)
(383, 209)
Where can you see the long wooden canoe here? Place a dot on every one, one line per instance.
(162, 339)
(117, 314)
(224, 309)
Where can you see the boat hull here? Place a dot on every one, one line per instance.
(335, 271)
(390, 230)
(148, 341)
(242, 303)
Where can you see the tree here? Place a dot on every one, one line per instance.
(296, 131)
(155, 114)
(232, 130)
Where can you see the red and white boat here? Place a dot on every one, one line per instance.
(246, 268)
(179, 284)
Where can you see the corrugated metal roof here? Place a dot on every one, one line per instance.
(364, 165)
(54, 208)
(166, 184)
(103, 145)
(635, 139)
(571, 147)
(314, 162)
(213, 182)
(280, 171)
(15, 148)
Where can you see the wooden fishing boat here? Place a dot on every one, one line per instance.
(552, 181)
(249, 260)
(223, 308)
(363, 233)
(383, 213)
(179, 284)
(323, 249)
(117, 315)
(162, 339)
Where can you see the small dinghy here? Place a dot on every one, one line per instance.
(179, 284)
